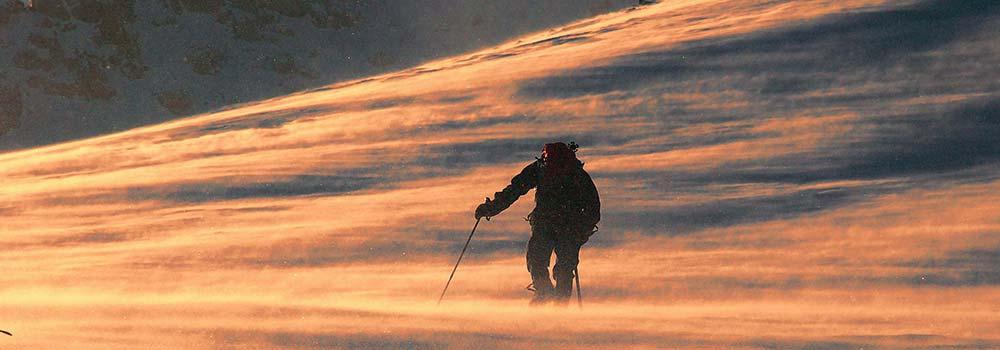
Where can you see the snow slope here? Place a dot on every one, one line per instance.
(774, 175)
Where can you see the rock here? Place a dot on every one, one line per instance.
(10, 108)
(176, 101)
(206, 61)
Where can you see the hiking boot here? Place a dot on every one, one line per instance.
(539, 300)
(543, 295)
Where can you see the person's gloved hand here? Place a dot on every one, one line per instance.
(485, 210)
(585, 232)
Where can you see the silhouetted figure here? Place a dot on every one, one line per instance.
(567, 209)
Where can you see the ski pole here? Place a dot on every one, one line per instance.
(459, 261)
(579, 294)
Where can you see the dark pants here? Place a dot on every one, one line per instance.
(546, 238)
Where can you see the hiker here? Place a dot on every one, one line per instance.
(567, 209)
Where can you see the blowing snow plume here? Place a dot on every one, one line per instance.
(780, 175)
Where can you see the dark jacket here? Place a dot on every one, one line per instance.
(570, 199)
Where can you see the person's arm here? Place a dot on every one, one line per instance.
(519, 186)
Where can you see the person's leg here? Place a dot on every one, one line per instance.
(567, 250)
(540, 247)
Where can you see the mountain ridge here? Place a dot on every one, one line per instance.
(111, 65)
